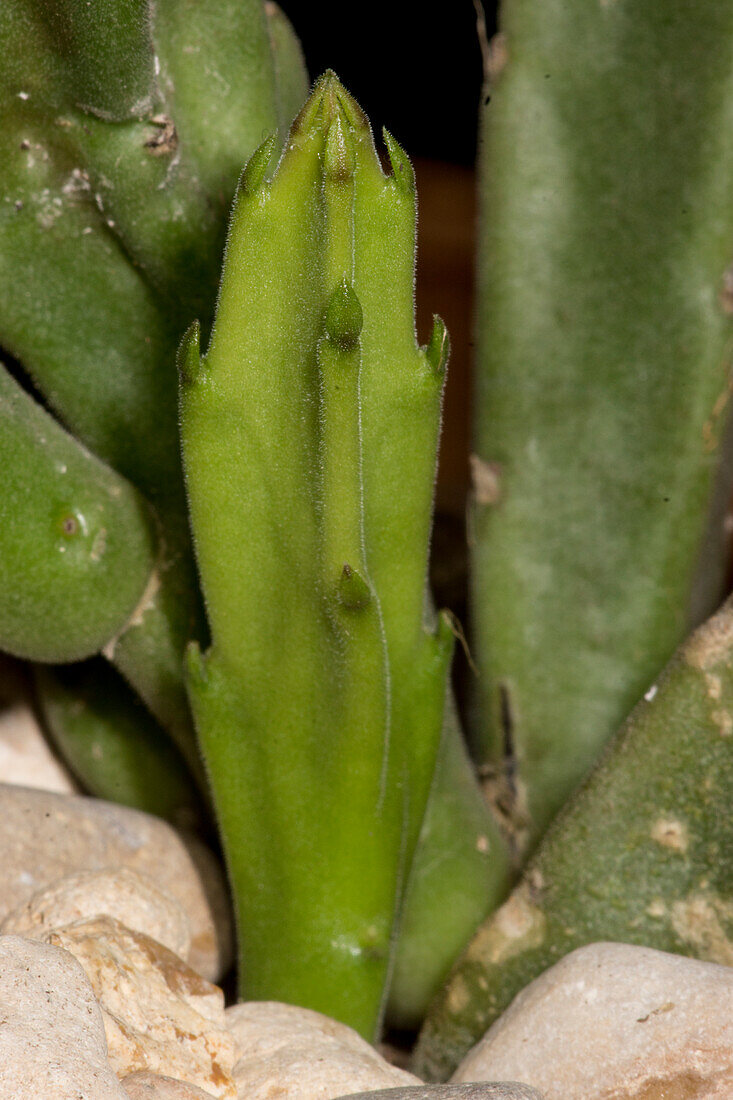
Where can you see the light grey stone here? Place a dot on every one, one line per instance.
(296, 1054)
(52, 1042)
(45, 837)
(502, 1090)
(144, 1085)
(126, 895)
(25, 757)
(159, 1014)
(619, 1022)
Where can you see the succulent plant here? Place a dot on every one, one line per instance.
(123, 164)
(312, 717)
(319, 424)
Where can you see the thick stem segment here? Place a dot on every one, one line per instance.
(319, 705)
(125, 125)
(603, 368)
(78, 547)
(112, 744)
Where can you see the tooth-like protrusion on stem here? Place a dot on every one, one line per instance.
(188, 360)
(344, 317)
(402, 171)
(438, 348)
(254, 175)
(352, 590)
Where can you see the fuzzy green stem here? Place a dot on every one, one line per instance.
(320, 774)
(77, 542)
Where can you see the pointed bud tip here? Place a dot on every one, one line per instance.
(352, 590)
(327, 101)
(438, 349)
(341, 101)
(255, 170)
(402, 171)
(344, 318)
(188, 358)
(328, 84)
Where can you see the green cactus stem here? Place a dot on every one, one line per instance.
(309, 432)
(112, 744)
(460, 874)
(643, 855)
(604, 334)
(78, 547)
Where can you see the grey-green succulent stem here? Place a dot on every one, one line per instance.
(126, 127)
(108, 386)
(107, 66)
(643, 855)
(320, 769)
(112, 744)
(603, 358)
(88, 329)
(155, 209)
(78, 544)
(148, 651)
(217, 72)
(166, 180)
(76, 313)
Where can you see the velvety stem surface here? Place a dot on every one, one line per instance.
(603, 360)
(310, 431)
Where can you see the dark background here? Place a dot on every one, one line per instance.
(414, 67)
